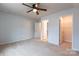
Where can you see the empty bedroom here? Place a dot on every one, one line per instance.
(39, 29)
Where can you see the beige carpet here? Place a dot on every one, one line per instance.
(66, 45)
(33, 47)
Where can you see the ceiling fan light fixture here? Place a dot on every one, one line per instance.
(36, 5)
(34, 10)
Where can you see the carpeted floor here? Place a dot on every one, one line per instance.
(34, 47)
(66, 45)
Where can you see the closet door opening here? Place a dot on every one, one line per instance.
(66, 31)
(44, 30)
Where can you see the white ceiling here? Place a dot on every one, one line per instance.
(19, 9)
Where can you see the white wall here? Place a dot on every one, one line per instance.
(37, 30)
(14, 28)
(53, 25)
(75, 44)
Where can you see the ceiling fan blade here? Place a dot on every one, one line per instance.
(37, 13)
(29, 11)
(38, 4)
(41, 9)
(26, 5)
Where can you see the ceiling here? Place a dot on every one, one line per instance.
(19, 9)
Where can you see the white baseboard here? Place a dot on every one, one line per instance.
(75, 49)
(13, 41)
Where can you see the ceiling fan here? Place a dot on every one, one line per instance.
(35, 8)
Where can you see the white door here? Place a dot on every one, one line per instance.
(44, 30)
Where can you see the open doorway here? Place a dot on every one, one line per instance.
(44, 30)
(66, 32)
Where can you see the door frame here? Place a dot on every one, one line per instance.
(60, 29)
